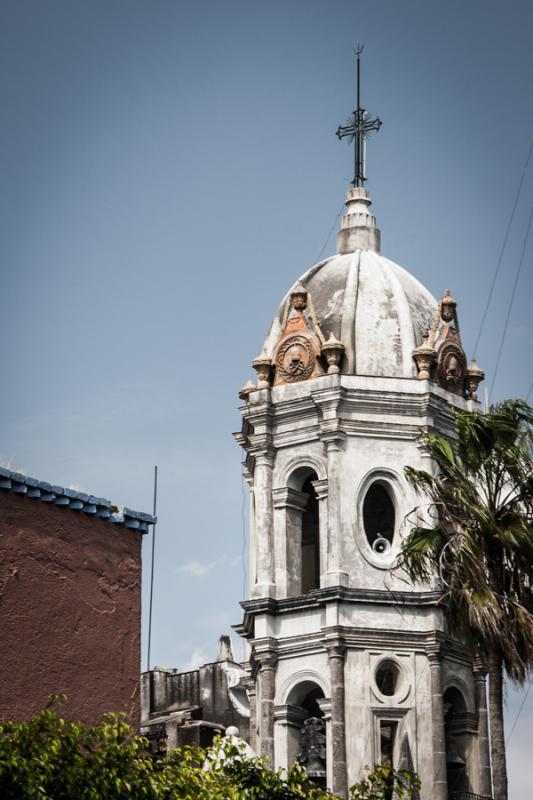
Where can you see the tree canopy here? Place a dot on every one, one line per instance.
(50, 758)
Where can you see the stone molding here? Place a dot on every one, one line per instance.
(299, 677)
(321, 489)
(286, 497)
(264, 455)
(266, 661)
(336, 650)
(357, 639)
(325, 706)
(289, 715)
(312, 461)
(334, 439)
(428, 411)
(402, 414)
(319, 597)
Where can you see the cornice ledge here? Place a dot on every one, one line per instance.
(331, 394)
(319, 597)
(258, 411)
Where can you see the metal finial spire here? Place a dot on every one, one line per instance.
(358, 126)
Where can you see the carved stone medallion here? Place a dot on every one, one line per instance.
(295, 359)
(451, 367)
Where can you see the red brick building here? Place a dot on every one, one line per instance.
(70, 601)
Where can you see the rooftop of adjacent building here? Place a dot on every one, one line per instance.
(100, 507)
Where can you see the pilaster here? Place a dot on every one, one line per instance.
(267, 675)
(264, 538)
(339, 778)
(249, 684)
(325, 707)
(335, 574)
(321, 491)
(440, 785)
(484, 786)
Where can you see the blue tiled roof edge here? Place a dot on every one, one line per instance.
(100, 507)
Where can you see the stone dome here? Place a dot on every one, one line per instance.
(373, 306)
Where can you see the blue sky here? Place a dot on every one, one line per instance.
(168, 169)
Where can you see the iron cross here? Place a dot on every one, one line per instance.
(357, 128)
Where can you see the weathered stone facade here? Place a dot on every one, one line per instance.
(356, 645)
(179, 708)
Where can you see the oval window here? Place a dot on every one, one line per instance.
(387, 678)
(379, 518)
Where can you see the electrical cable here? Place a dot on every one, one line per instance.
(329, 234)
(518, 715)
(528, 395)
(517, 276)
(505, 238)
(243, 550)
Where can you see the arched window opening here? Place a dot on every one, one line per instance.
(379, 518)
(310, 539)
(455, 711)
(311, 750)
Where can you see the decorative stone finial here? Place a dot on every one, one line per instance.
(332, 350)
(299, 297)
(474, 376)
(262, 365)
(358, 226)
(246, 390)
(225, 652)
(425, 356)
(447, 307)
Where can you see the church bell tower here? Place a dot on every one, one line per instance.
(348, 663)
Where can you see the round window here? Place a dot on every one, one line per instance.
(379, 518)
(388, 678)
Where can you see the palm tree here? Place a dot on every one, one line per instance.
(480, 541)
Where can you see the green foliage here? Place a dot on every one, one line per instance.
(480, 533)
(385, 783)
(49, 758)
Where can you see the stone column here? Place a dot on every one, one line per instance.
(335, 574)
(249, 685)
(440, 783)
(484, 786)
(264, 544)
(267, 693)
(325, 707)
(321, 491)
(339, 784)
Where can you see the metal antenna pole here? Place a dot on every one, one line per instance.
(152, 574)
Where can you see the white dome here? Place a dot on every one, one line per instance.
(377, 309)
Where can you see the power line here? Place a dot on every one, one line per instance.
(518, 715)
(529, 392)
(504, 245)
(329, 234)
(526, 237)
(243, 550)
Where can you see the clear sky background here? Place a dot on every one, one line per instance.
(167, 170)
